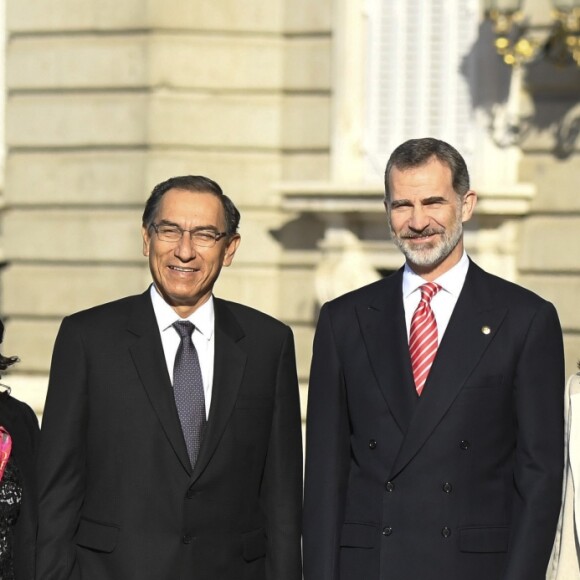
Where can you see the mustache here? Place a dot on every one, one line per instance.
(409, 235)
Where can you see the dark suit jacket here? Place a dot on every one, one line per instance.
(462, 483)
(20, 421)
(117, 498)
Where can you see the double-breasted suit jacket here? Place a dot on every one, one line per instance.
(462, 482)
(118, 499)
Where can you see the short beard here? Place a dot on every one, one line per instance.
(430, 254)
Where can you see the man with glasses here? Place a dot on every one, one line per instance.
(171, 441)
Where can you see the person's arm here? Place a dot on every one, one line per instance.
(281, 491)
(32, 427)
(25, 443)
(539, 455)
(327, 457)
(564, 560)
(61, 457)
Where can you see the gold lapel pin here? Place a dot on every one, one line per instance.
(485, 329)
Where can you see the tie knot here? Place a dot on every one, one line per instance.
(184, 328)
(428, 291)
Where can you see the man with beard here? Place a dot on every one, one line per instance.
(434, 428)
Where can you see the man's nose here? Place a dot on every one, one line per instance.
(419, 219)
(185, 250)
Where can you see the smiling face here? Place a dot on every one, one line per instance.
(183, 273)
(426, 217)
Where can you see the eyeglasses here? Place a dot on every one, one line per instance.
(199, 237)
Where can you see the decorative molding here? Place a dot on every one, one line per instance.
(323, 197)
(348, 260)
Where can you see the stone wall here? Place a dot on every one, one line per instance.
(106, 99)
(549, 246)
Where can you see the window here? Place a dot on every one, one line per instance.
(420, 75)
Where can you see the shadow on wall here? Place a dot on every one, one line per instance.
(302, 233)
(548, 106)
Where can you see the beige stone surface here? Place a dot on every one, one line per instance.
(161, 59)
(550, 244)
(55, 291)
(555, 181)
(229, 15)
(303, 16)
(259, 247)
(167, 119)
(303, 336)
(77, 177)
(247, 177)
(307, 64)
(77, 120)
(252, 286)
(106, 15)
(299, 165)
(216, 120)
(563, 291)
(72, 235)
(32, 340)
(73, 62)
(127, 177)
(66, 15)
(297, 295)
(306, 122)
(217, 62)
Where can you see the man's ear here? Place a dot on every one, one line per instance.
(468, 204)
(231, 248)
(146, 240)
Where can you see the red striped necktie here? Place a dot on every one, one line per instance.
(423, 339)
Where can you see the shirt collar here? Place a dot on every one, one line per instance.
(203, 318)
(451, 281)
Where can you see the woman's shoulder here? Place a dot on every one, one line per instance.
(16, 414)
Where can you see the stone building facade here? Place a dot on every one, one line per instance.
(278, 102)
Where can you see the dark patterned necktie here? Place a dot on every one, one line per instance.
(423, 340)
(188, 390)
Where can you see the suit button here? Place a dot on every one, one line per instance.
(445, 532)
(387, 531)
(464, 445)
(187, 539)
(390, 486)
(372, 444)
(447, 487)
(190, 493)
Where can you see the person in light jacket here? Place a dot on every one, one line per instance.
(565, 560)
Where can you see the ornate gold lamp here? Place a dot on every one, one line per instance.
(518, 43)
(567, 14)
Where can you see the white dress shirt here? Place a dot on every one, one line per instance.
(443, 302)
(203, 338)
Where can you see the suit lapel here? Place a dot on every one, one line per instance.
(382, 323)
(464, 342)
(229, 365)
(147, 353)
